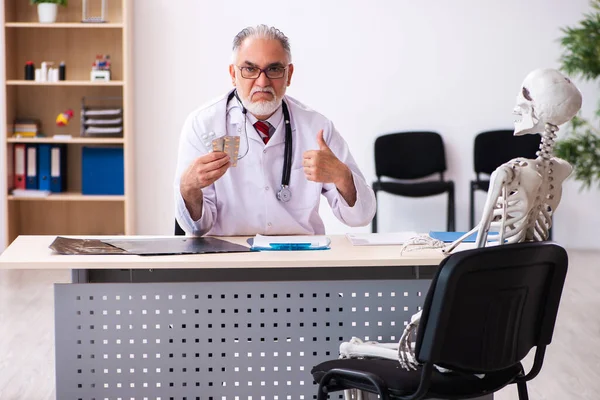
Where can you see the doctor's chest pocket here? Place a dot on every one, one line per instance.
(305, 194)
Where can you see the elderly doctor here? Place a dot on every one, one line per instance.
(270, 191)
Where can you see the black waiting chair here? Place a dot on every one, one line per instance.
(409, 156)
(178, 229)
(492, 149)
(485, 310)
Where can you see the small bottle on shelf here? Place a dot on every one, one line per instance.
(29, 71)
(62, 71)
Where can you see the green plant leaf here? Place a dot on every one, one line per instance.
(580, 145)
(59, 2)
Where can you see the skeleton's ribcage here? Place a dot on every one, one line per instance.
(514, 216)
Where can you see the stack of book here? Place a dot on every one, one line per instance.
(26, 128)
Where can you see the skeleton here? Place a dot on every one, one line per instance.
(523, 195)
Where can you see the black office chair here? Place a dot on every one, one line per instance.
(178, 230)
(408, 156)
(486, 308)
(494, 148)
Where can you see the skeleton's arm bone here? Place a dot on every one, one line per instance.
(460, 240)
(498, 179)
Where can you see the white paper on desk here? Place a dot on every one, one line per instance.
(379, 239)
(262, 241)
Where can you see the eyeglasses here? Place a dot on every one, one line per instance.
(270, 72)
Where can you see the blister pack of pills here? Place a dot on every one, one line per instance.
(228, 144)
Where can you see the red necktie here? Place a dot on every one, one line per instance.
(263, 128)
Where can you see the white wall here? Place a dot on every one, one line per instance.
(373, 68)
(391, 65)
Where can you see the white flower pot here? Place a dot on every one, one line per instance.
(47, 12)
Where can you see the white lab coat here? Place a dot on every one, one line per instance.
(243, 201)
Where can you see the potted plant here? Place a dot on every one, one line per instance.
(581, 57)
(47, 9)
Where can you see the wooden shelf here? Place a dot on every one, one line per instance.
(77, 44)
(68, 196)
(60, 25)
(63, 83)
(75, 140)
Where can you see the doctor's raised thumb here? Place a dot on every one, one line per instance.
(321, 141)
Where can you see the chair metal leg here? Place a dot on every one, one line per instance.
(522, 389)
(451, 210)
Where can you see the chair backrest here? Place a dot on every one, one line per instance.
(409, 155)
(494, 148)
(178, 229)
(488, 307)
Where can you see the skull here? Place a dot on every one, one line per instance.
(546, 96)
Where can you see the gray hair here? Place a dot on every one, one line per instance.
(263, 32)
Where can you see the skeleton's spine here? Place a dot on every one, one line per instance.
(546, 151)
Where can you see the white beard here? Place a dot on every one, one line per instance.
(261, 107)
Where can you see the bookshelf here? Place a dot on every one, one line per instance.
(68, 39)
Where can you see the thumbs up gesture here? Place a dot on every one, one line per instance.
(323, 166)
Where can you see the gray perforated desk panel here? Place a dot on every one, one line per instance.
(221, 334)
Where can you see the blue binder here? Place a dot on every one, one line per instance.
(58, 165)
(31, 170)
(44, 166)
(102, 171)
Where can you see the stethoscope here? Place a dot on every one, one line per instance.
(284, 194)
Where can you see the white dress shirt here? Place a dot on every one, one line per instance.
(244, 200)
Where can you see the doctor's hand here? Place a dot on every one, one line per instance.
(203, 172)
(323, 166)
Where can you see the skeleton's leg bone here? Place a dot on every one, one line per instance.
(391, 346)
(348, 349)
(358, 342)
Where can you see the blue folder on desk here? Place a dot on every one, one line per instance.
(288, 243)
(449, 237)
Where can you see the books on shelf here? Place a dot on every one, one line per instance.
(25, 128)
(38, 167)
